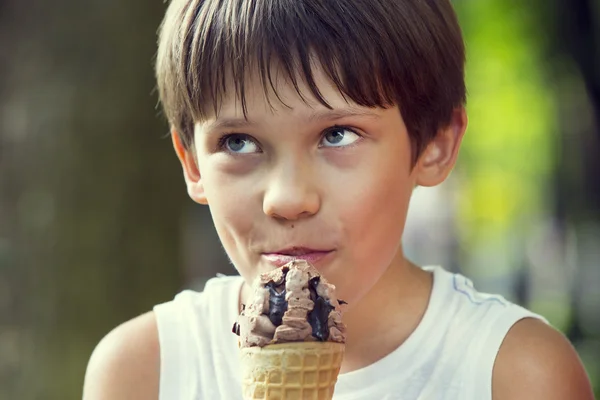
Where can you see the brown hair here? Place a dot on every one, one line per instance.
(377, 52)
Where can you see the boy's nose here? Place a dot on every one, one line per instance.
(291, 195)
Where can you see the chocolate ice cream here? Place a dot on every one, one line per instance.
(293, 303)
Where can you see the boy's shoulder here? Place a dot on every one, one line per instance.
(126, 362)
(535, 361)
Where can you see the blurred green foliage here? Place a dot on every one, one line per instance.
(508, 155)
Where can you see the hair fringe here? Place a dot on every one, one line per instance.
(377, 53)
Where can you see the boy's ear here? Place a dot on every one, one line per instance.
(191, 173)
(437, 161)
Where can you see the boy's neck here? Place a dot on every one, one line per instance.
(401, 298)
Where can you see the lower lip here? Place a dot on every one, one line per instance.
(279, 260)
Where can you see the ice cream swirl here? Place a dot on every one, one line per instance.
(293, 303)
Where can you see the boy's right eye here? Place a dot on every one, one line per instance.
(238, 143)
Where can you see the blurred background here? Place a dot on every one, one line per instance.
(96, 227)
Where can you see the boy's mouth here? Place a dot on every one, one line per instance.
(281, 257)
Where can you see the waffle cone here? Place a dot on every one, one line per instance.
(291, 371)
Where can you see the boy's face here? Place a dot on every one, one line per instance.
(329, 186)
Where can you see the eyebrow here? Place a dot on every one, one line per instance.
(333, 115)
(229, 123)
(319, 116)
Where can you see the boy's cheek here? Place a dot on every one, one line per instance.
(233, 215)
(374, 218)
(233, 212)
(227, 192)
(234, 239)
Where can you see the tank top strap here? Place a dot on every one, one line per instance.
(197, 348)
(176, 339)
(495, 316)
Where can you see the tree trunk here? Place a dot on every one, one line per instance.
(91, 194)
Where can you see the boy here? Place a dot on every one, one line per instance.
(305, 125)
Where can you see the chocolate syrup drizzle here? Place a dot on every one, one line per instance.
(278, 305)
(318, 317)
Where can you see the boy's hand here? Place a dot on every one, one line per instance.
(536, 362)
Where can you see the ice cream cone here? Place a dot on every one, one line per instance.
(291, 371)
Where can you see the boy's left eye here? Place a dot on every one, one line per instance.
(237, 143)
(339, 137)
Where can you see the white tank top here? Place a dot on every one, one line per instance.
(449, 356)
